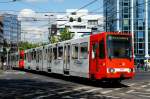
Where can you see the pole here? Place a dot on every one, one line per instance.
(7, 61)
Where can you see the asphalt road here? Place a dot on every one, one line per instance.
(24, 85)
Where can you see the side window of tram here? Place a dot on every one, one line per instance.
(75, 51)
(45, 54)
(21, 56)
(34, 55)
(55, 53)
(84, 50)
(102, 49)
(94, 48)
(25, 56)
(60, 52)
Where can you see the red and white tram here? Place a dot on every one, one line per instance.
(99, 56)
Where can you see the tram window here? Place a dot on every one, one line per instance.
(102, 49)
(50, 54)
(25, 56)
(60, 52)
(29, 56)
(34, 55)
(84, 50)
(45, 54)
(38, 52)
(21, 56)
(75, 51)
(94, 48)
(55, 53)
(40, 55)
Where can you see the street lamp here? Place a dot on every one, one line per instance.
(49, 23)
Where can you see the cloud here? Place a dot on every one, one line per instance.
(27, 14)
(31, 30)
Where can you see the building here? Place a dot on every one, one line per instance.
(11, 30)
(1, 35)
(130, 16)
(79, 23)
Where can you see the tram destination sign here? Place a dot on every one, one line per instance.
(124, 38)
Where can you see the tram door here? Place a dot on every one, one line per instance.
(94, 57)
(49, 59)
(66, 58)
(97, 57)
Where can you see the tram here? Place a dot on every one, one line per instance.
(103, 56)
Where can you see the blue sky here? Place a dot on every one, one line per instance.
(27, 8)
(50, 5)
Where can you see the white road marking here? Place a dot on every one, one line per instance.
(41, 97)
(114, 97)
(85, 87)
(93, 90)
(117, 89)
(141, 93)
(105, 92)
(130, 91)
(57, 89)
(148, 84)
(63, 92)
(132, 84)
(144, 86)
(88, 91)
(145, 96)
(147, 89)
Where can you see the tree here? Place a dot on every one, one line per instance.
(54, 39)
(66, 35)
(26, 45)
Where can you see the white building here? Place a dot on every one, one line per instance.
(79, 22)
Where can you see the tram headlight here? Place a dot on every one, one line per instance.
(111, 70)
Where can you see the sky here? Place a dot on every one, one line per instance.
(28, 8)
(49, 5)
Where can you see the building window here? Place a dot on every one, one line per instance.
(92, 22)
(140, 35)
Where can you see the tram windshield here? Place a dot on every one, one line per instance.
(119, 46)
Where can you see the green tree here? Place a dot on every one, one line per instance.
(54, 39)
(26, 45)
(66, 35)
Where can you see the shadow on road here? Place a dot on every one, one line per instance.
(26, 89)
(83, 80)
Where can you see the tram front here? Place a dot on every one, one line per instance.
(119, 61)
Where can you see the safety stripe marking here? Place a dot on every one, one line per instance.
(144, 96)
(130, 91)
(105, 92)
(88, 91)
(142, 93)
(73, 90)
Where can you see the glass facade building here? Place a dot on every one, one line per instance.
(11, 30)
(131, 16)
